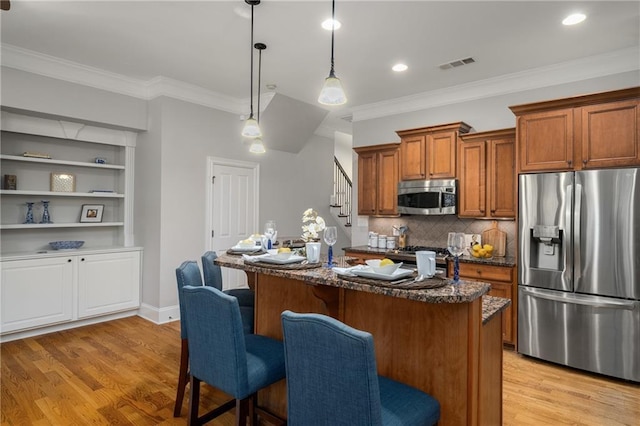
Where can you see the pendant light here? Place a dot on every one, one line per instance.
(332, 92)
(257, 147)
(251, 128)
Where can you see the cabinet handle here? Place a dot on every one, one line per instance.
(584, 162)
(82, 259)
(68, 260)
(569, 163)
(479, 272)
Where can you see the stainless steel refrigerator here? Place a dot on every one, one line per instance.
(579, 270)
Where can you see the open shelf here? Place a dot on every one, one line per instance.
(59, 225)
(63, 194)
(62, 162)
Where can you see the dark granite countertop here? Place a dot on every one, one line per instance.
(491, 305)
(496, 261)
(463, 292)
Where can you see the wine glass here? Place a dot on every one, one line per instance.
(330, 237)
(270, 233)
(455, 245)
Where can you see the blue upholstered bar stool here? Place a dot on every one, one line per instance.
(213, 277)
(223, 356)
(188, 273)
(332, 379)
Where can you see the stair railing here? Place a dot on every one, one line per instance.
(342, 191)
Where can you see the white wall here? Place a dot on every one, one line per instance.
(344, 152)
(181, 136)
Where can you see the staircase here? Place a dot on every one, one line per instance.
(340, 206)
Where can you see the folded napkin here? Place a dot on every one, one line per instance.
(248, 258)
(347, 271)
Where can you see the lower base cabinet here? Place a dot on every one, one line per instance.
(501, 279)
(57, 289)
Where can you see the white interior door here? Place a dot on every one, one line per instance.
(233, 210)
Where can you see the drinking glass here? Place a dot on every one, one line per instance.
(270, 233)
(455, 245)
(330, 237)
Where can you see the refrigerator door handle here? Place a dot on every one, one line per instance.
(577, 230)
(570, 298)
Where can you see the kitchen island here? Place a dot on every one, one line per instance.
(438, 340)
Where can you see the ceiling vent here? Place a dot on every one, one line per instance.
(457, 63)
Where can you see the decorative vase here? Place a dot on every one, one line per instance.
(46, 218)
(29, 217)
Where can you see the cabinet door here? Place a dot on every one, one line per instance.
(545, 140)
(413, 158)
(501, 178)
(505, 290)
(388, 182)
(36, 292)
(441, 155)
(611, 135)
(367, 183)
(472, 179)
(108, 283)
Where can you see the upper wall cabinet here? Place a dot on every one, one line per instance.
(378, 180)
(430, 152)
(487, 174)
(583, 132)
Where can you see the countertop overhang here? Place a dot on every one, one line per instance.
(462, 292)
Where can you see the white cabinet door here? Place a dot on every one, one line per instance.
(36, 292)
(108, 283)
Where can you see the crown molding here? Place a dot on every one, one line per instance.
(610, 63)
(73, 72)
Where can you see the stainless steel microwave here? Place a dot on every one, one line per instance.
(428, 197)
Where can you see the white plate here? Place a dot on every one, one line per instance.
(369, 273)
(272, 259)
(246, 249)
(347, 272)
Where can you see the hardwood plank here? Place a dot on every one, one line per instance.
(134, 364)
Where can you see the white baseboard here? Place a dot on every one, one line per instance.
(159, 315)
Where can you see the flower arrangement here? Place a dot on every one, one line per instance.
(312, 225)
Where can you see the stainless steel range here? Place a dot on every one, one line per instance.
(408, 256)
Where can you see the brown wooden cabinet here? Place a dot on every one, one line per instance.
(487, 174)
(430, 152)
(584, 132)
(502, 280)
(359, 258)
(378, 176)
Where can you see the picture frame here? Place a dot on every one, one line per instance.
(91, 213)
(63, 182)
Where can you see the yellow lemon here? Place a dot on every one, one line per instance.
(385, 262)
(482, 252)
(476, 247)
(284, 250)
(247, 241)
(487, 255)
(488, 247)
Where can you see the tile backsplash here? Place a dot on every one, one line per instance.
(433, 230)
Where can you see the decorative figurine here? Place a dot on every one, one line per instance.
(46, 218)
(29, 217)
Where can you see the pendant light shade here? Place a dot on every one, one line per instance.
(332, 92)
(251, 127)
(257, 147)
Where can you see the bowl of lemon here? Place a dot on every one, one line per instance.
(283, 253)
(383, 266)
(482, 251)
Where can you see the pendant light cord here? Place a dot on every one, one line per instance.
(251, 74)
(333, 29)
(259, 75)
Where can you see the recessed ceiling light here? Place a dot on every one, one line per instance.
(399, 67)
(573, 19)
(328, 23)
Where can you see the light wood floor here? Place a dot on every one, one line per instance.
(124, 372)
